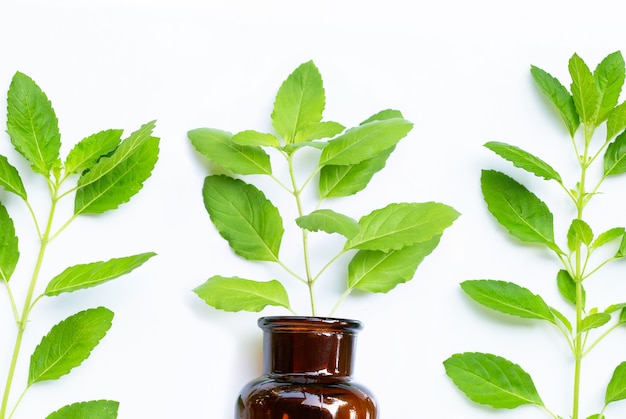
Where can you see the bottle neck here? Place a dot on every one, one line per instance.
(309, 348)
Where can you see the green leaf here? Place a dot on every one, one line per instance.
(616, 122)
(608, 236)
(383, 115)
(10, 179)
(559, 96)
(318, 130)
(95, 409)
(329, 221)
(89, 150)
(299, 102)
(584, 90)
(609, 78)
(492, 380)
(91, 274)
(579, 232)
(68, 344)
(594, 321)
(562, 318)
(508, 298)
(621, 251)
(614, 307)
(616, 390)
(236, 294)
(615, 156)
(524, 160)
(399, 225)
(254, 139)
(218, 146)
(32, 124)
(9, 252)
(244, 217)
(596, 416)
(336, 181)
(567, 287)
(376, 271)
(118, 177)
(364, 142)
(517, 209)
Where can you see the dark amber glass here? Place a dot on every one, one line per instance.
(308, 372)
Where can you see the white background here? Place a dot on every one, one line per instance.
(458, 69)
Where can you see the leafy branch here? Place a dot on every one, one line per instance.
(387, 244)
(591, 102)
(108, 171)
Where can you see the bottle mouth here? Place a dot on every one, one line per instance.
(286, 323)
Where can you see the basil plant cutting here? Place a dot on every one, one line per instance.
(591, 103)
(386, 245)
(100, 172)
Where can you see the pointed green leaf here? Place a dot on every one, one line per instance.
(508, 298)
(68, 344)
(32, 124)
(596, 416)
(616, 122)
(594, 321)
(399, 225)
(524, 160)
(609, 78)
(95, 409)
(336, 181)
(517, 209)
(329, 221)
(614, 307)
(91, 274)
(492, 380)
(255, 138)
(584, 90)
(9, 252)
(615, 156)
(608, 236)
(114, 179)
(621, 251)
(559, 96)
(299, 102)
(579, 232)
(616, 390)
(383, 115)
(10, 179)
(244, 217)
(364, 142)
(567, 286)
(89, 150)
(217, 146)
(376, 271)
(318, 130)
(562, 318)
(236, 294)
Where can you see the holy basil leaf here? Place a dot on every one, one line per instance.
(318, 130)
(89, 150)
(300, 101)
(329, 221)
(336, 181)
(217, 146)
(616, 390)
(95, 409)
(382, 115)
(236, 294)
(10, 179)
(399, 225)
(567, 287)
(621, 251)
(609, 78)
(524, 160)
(584, 90)
(562, 319)
(364, 142)
(255, 138)
(32, 124)
(616, 122)
(596, 416)
(492, 380)
(91, 274)
(608, 236)
(9, 252)
(615, 156)
(559, 96)
(244, 217)
(376, 271)
(517, 209)
(594, 321)
(579, 232)
(508, 298)
(114, 179)
(68, 344)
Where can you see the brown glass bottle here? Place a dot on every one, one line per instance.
(308, 371)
